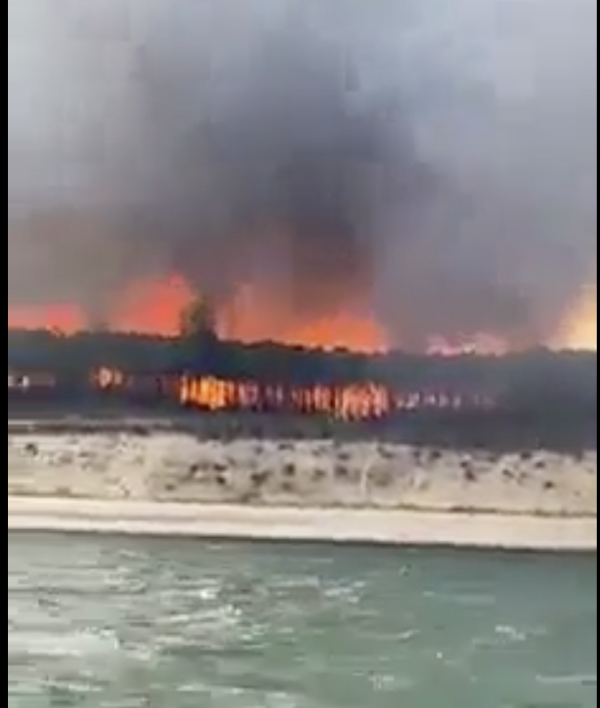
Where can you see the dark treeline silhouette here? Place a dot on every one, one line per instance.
(535, 399)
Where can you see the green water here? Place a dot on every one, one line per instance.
(128, 624)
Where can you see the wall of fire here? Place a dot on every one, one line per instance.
(362, 401)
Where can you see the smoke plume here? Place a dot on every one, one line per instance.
(433, 162)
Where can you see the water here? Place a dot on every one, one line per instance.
(126, 624)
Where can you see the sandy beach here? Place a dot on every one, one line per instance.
(408, 528)
(176, 483)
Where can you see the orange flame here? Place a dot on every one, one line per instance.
(256, 317)
(147, 308)
(580, 331)
(156, 307)
(61, 318)
(358, 402)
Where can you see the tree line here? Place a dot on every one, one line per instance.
(537, 379)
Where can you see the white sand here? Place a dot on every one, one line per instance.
(281, 524)
(177, 484)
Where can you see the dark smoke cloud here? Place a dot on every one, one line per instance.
(438, 157)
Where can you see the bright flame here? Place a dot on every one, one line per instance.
(364, 401)
(581, 328)
(254, 317)
(156, 307)
(153, 308)
(147, 308)
(62, 318)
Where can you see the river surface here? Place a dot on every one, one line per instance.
(118, 623)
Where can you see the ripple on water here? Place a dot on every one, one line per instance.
(125, 624)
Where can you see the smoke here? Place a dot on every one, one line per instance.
(434, 162)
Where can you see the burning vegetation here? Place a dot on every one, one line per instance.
(341, 184)
(541, 397)
(155, 309)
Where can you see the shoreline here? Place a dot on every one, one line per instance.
(418, 529)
